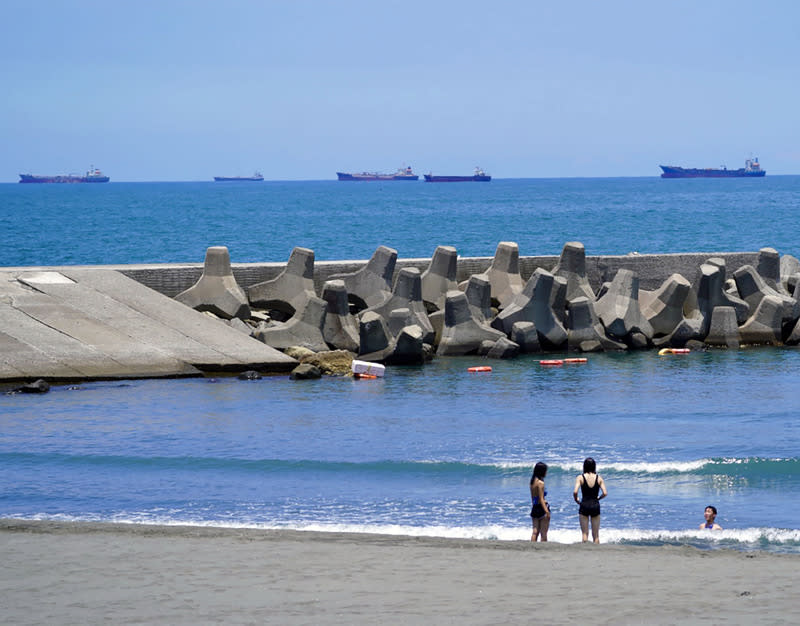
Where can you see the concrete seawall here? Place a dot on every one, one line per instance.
(653, 269)
(120, 321)
(79, 323)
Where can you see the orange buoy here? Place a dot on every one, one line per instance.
(664, 351)
(551, 362)
(359, 376)
(479, 368)
(576, 360)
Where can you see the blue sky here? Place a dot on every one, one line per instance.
(187, 90)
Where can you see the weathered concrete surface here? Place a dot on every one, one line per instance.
(95, 322)
(88, 323)
(653, 269)
(217, 291)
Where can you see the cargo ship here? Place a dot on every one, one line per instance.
(751, 169)
(479, 177)
(404, 173)
(92, 176)
(256, 177)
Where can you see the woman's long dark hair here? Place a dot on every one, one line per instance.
(539, 471)
(589, 466)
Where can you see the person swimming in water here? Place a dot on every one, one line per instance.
(540, 510)
(710, 514)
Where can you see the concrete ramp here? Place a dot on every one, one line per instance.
(85, 323)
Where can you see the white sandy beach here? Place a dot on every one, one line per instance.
(87, 573)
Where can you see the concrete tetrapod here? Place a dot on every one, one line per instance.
(378, 344)
(558, 299)
(572, 267)
(753, 288)
(408, 347)
(712, 291)
(586, 333)
(440, 277)
(340, 329)
(663, 308)
(304, 329)
(768, 267)
(371, 286)
(618, 310)
(723, 330)
(789, 271)
(794, 336)
(290, 291)
(462, 333)
(217, 290)
(524, 334)
(503, 274)
(503, 348)
(764, 326)
(407, 294)
(533, 305)
(374, 337)
(479, 296)
(398, 320)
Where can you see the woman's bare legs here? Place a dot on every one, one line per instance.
(596, 529)
(544, 525)
(584, 527)
(540, 527)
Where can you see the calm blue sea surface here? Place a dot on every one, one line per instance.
(430, 450)
(176, 222)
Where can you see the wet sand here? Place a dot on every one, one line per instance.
(91, 573)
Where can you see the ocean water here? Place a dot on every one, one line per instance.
(260, 222)
(431, 450)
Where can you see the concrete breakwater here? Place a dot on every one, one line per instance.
(70, 323)
(653, 269)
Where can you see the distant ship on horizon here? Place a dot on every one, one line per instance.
(256, 177)
(92, 176)
(404, 173)
(479, 177)
(751, 169)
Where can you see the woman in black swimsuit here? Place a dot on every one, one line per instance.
(540, 510)
(590, 485)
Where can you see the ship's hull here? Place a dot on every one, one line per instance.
(670, 171)
(478, 178)
(237, 179)
(30, 178)
(366, 177)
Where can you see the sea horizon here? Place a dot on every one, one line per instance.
(322, 180)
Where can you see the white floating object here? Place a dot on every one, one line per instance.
(371, 369)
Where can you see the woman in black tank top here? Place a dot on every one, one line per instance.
(590, 485)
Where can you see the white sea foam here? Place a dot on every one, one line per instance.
(656, 467)
(640, 467)
(499, 533)
(747, 538)
(752, 538)
(742, 536)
